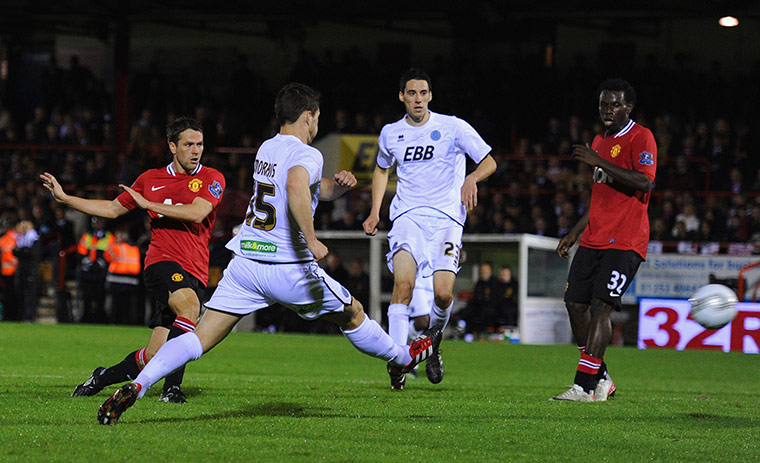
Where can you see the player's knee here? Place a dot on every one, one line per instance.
(185, 304)
(576, 308)
(443, 299)
(352, 316)
(600, 309)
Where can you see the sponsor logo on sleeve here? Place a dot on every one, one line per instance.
(215, 189)
(646, 158)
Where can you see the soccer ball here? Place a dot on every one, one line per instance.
(713, 306)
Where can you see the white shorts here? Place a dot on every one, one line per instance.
(422, 297)
(304, 288)
(434, 241)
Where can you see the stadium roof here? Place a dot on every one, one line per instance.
(489, 19)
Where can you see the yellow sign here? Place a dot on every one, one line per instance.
(195, 185)
(177, 277)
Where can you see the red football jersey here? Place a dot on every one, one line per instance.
(173, 240)
(618, 219)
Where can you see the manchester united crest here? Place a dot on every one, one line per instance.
(195, 185)
(177, 277)
(615, 151)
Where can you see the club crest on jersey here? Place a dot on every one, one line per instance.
(215, 189)
(614, 151)
(435, 135)
(177, 277)
(646, 158)
(195, 185)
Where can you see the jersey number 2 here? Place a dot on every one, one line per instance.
(258, 204)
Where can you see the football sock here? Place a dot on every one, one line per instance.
(413, 332)
(179, 327)
(171, 356)
(585, 375)
(398, 323)
(602, 373)
(125, 370)
(439, 318)
(370, 339)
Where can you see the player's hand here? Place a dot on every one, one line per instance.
(585, 154)
(318, 249)
(52, 185)
(469, 194)
(370, 225)
(567, 242)
(139, 199)
(345, 179)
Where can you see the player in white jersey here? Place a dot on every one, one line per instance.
(275, 261)
(432, 198)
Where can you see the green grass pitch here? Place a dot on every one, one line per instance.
(300, 398)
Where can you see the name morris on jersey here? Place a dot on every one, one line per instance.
(264, 168)
(418, 153)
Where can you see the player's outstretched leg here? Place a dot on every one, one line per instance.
(118, 403)
(92, 386)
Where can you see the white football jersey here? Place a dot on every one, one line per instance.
(430, 163)
(269, 232)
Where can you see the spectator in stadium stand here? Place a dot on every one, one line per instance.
(428, 215)
(122, 280)
(92, 270)
(276, 258)
(181, 199)
(27, 252)
(614, 235)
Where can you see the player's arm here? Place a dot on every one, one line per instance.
(470, 188)
(627, 177)
(333, 188)
(567, 241)
(99, 207)
(379, 184)
(194, 212)
(299, 203)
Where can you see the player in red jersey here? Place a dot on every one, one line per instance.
(181, 200)
(615, 235)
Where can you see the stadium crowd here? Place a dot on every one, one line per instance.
(705, 198)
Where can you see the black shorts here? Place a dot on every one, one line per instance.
(162, 279)
(601, 273)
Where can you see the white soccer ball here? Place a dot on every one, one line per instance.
(713, 306)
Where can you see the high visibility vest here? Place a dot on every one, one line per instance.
(7, 258)
(123, 259)
(89, 244)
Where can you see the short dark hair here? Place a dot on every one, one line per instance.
(179, 125)
(292, 100)
(618, 85)
(413, 74)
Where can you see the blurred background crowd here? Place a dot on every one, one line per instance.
(706, 197)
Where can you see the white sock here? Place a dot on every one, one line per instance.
(370, 339)
(172, 355)
(398, 323)
(414, 333)
(439, 318)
